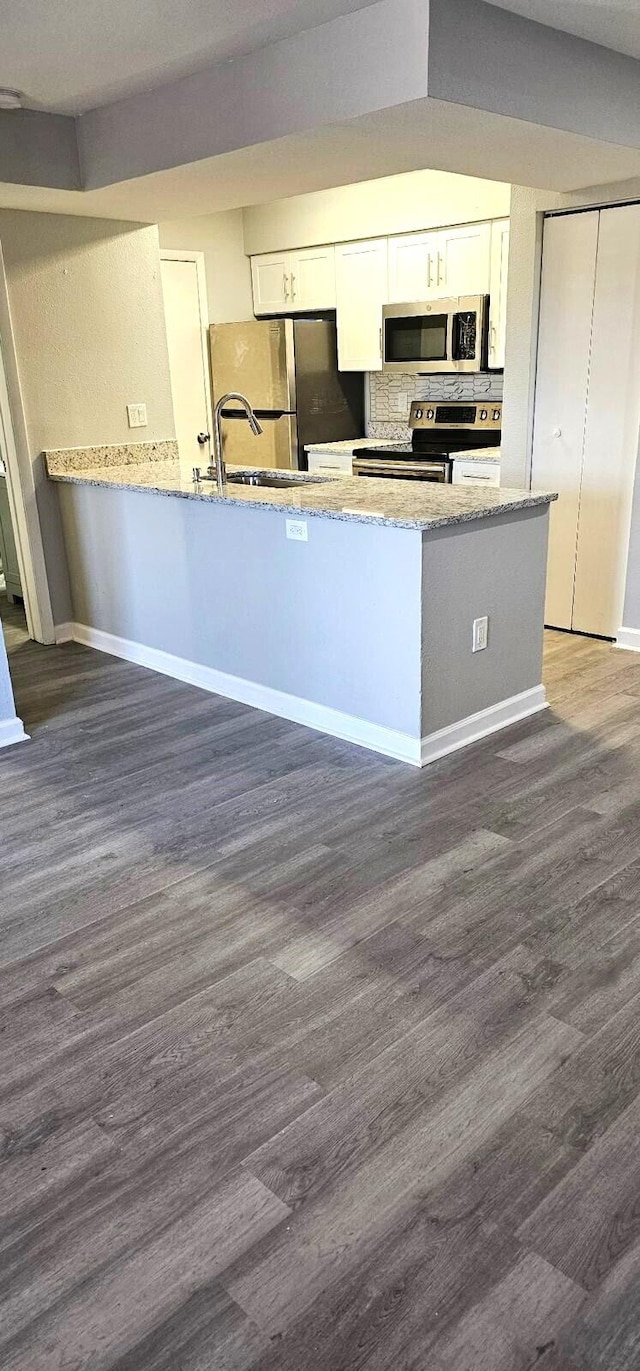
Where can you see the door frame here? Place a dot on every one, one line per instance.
(192, 255)
(20, 481)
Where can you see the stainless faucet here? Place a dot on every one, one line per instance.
(219, 470)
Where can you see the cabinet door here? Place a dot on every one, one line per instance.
(270, 279)
(411, 267)
(361, 291)
(498, 291)
(612, 428)
(476, 473)
(463, 258)
(564, 342)
(312, 278)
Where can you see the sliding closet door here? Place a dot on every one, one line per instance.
(612, 428)
(566, 305)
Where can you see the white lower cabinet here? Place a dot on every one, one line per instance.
(587, 411)
(361, 291)
(331, 463)
(475, 473)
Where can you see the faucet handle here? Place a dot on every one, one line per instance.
(203, 438)
(196, 474)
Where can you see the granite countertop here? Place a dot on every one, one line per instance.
(347, 445)
(402, 504)
(479, 454)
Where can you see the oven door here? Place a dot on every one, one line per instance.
(419, 470)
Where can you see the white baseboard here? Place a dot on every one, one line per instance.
(629, 639)
(64, 633)
(480, 725)
(12, 731)
(388, 741)
(391, 743)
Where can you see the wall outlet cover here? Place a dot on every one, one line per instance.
(137, 415)
(297, 529)
(480, 635)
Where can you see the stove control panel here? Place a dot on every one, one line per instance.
(436, 414)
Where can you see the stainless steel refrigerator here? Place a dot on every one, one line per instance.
(288, 370)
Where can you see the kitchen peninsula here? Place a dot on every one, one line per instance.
(345, 604)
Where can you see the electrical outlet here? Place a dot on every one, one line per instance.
(297, 528)
(480, 633)
(137, 415)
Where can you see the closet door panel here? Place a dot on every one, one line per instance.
(612, 427)
(566, 304)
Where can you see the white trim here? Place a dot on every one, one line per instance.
(64, 633)
(192, 255)
(629, 639)
(390, 742)
(12, 731)
(479, 725)
(20, 481)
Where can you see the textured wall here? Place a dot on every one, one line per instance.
(220, 238)
(88, 320)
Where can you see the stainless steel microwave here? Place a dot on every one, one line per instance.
(436, 335)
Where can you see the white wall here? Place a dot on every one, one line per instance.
(88, 322)
(220, 238)
(372, 209)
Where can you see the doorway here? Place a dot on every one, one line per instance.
(186, 316)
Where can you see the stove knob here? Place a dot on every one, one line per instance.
(496, 414)
(418, 414)
(431, 414)
(484, 414)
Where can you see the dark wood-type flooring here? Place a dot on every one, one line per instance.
(310, 1060)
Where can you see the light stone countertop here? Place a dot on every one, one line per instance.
(479, 454)
(348, 445)
(401, 504)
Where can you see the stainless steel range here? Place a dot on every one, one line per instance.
(439, 431)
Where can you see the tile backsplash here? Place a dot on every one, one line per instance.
(390, 397)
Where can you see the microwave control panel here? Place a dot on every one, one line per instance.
(487, 414)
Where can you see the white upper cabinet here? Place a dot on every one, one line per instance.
(361, 291)
(455, 261)
(312, 278)
(412, 267)
(286, 282)
(270, 282)
(498, 291)
(463, 260)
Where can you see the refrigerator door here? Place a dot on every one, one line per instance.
(330, 402)
(277, 445)
(255, 358)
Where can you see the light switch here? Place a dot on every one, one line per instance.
(137, 415)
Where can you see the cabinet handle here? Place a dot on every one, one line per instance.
(557, 432)
(429, 273)
(293, 286)
(285, 285)
(440, 273)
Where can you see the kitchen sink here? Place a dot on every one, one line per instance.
(250, 478)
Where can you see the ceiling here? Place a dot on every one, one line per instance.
(423, 133)
(613, 23)
(72, 55)
(69, 56)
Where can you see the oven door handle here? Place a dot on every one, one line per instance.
(376, 468)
